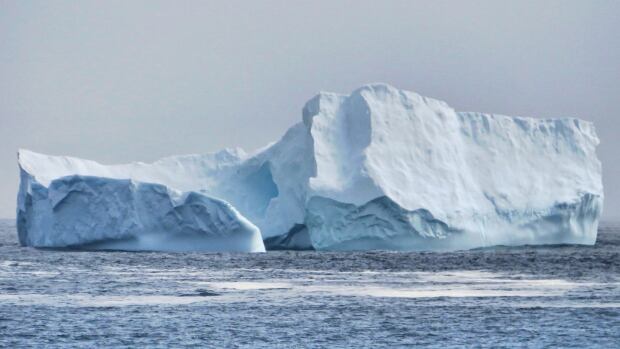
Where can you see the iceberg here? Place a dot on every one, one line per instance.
(93, 212)
(380, 168)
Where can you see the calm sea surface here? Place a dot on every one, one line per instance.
(560, 296)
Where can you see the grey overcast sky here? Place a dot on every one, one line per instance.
(117, 81)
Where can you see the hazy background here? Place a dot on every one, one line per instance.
(121, 81)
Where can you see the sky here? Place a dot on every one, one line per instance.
(118, 81)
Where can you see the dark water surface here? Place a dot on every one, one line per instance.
(560, 296)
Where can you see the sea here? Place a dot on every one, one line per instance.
(546, 296)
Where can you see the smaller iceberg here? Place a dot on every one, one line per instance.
(90, 212)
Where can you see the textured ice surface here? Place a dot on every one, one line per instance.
(380, 168)
(398, 170)
(121, 214)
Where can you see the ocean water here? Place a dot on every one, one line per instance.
(556, 296)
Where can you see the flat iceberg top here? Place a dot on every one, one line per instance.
(387, 168)
(185, 171)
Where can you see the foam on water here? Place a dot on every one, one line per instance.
(557, 296)
(87, 300)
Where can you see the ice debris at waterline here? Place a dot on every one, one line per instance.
(380, 168)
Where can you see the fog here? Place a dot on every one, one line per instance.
(118, 81)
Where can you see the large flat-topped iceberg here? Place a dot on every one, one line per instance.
(378, 169)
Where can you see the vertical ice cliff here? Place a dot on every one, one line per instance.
(380, 168)
(400, 167)
(92, 212)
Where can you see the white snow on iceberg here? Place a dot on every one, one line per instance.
(381, 168)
